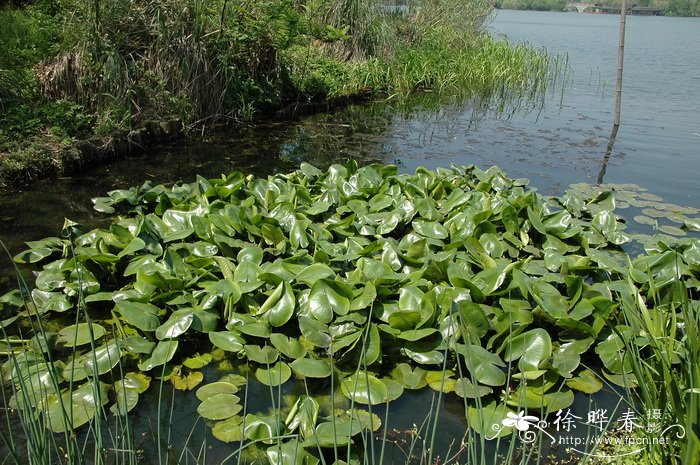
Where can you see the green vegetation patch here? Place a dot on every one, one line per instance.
(459, 279)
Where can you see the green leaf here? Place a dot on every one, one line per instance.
(289, 346)
(229, 430)
(315, 272)
(141, 315)
(482, 364)
(586, 382)
(279, 307)
(102, 359)
(76, 408)
(264, 429)
(212, 389)
(80, 334)
(219, 406)
(364, 388)
(612, 351)
(274, 376)
(127, 392)
(482, 420)
(227, 340)
(408, 377)
(290, 453)
(325, 298)
(465, 388)
(311, 368)
(162, 354)
(315, 332)
(429, 229)
(263, 355)
(532, 348)
(303, 415)
(178, 323)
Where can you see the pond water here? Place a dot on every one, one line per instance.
(563, 142)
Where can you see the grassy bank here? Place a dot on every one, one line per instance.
(70, 70)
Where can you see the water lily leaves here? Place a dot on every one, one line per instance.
(409, 377)
(258, 428)
(318, 273)
(279, 306)
(186, 381)
(487, 420)
(311, 368)
(327, 297)
(429, 229)
(75, 408)
(531, 347)
(586, 382)
(334, 433)
(162, 354)
(315, 332)
(265, 355)
(144, 316)
(127, 392)
(217, 387)
(566, 358)
(290, 347)
(219, 406)
(290, 453)
(612, 351)
(315, 272)
(465, 388)
(178, 323)
(474, 323)
(276, 375)
(303, 415)
(80, 334)
(197, 361)
(482, 364)
(364, 388)
(102, 359)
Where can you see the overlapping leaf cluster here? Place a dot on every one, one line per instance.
(459, 279)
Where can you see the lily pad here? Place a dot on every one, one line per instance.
(80, 334)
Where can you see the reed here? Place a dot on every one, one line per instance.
(664, 357)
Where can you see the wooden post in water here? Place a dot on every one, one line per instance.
(620, 61)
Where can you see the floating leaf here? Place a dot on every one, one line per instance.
(364, 388)
(102, 359)
(325, 298)
(278, 374)
(311, 368)
(531, 347)
(229, 430)
(75, 408)
(80, 334)
(178, 323)
(141, 315)
(162, 354)
(586, 382)
(219, 406)
(187, 382)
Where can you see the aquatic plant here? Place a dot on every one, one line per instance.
(359, 282)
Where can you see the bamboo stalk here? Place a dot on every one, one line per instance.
(620, 61)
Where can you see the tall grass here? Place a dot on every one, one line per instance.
(665, 360)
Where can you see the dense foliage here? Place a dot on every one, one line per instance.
(71, 68)
(357, 282)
